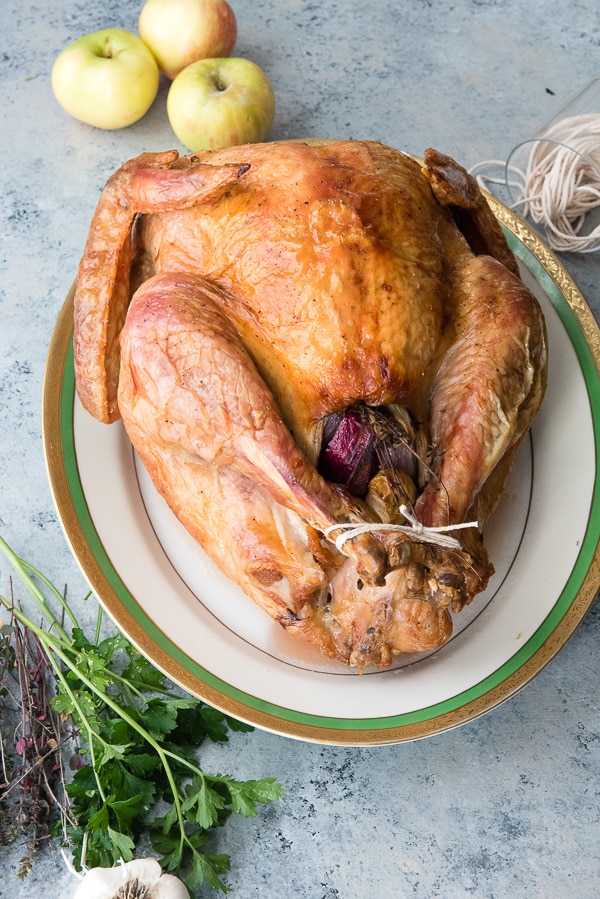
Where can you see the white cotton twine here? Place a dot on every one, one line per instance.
(414, 529)
(561, 183)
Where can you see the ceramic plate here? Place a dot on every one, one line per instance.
(199, 628)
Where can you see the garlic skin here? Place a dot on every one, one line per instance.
(141, 878)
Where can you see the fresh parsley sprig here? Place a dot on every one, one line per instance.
(141, 739)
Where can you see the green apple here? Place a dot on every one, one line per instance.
(219, 103)
(108, 79)
(179, 32)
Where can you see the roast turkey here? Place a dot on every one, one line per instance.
(324, 356)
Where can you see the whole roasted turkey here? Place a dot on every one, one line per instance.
(325, 357)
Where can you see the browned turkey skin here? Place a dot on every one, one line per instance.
(302, 335)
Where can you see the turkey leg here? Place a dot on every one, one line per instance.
(190, 387)
(488, 388)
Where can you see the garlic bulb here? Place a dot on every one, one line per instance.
(141, 878)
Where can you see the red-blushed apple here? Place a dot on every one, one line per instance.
(108, 78)
(179, 32)
(220, 103)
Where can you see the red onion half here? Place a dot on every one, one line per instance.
(359, 442)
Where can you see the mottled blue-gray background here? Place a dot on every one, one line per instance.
(506, 806)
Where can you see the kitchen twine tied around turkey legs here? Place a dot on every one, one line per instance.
(414, 529)
(558, 185)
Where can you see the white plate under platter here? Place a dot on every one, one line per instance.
(200, 629)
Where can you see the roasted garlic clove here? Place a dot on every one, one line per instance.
(388, 490)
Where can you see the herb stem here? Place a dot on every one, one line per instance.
(59, 596)
(51, 651)
(98, 625)
(21, 568)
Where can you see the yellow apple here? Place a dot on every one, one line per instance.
(219, 103)
(179, 32)
(108, 79)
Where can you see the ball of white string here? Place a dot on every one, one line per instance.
(560, 184)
